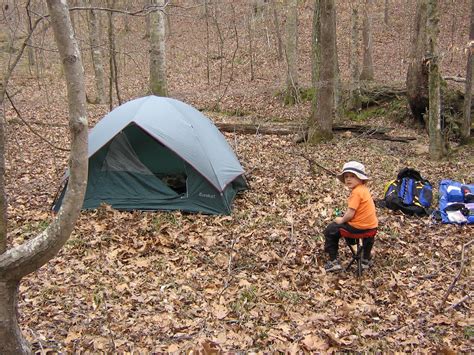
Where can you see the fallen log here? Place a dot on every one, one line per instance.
(248, 128)
(291, 128)
(373, 135)
(286, 129)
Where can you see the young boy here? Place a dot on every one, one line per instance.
(359, 217)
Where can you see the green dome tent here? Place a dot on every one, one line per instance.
(158, 153)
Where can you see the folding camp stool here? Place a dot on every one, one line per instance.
(358, 253)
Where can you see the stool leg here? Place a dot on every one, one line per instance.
(359, 258)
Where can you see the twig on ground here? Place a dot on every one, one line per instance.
(454, 305)
(314, 162)
(290, 246)
(229, 265)
(455, 280)
(434, 274)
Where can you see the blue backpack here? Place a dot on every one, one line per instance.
(409, 193)
(456, 202)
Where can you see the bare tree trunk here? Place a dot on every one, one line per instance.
(3, 195)
(30, 51)
(322, 129)
(96, 53)
(337, 76)
(208, 53)
(467, 119)
(276, 22)
(19, 261)
(126, 20)
(113, 81)
(385, 12)
(355, 99)
(158, 84)
(292, 86)
(417, 74)
(251, 29)
(147, 20)
(437, 145)
(15, 343)
(258, 6)
(315, 59)
(367, 72)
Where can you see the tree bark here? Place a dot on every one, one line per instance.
(320, 127)
(437, 144)
(251, 29)
(467, 116)
(355, 99)
(146, 3)
(276, 22)
(337, 77)
(367, 72)
(113, 81)
(9, 328)
(30, 51)
(19, 261)
(208, 53)
(292, 86)
(385, 12)
(315, 58)
(417, 74)
(96, 54)
(3, 195)
(158, 85)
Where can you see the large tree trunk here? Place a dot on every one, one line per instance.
(3, 195)
(338, 112)
(437, 145)
(9, 328)
(113, 67)
(367, 72)
(355, 98)
(385, 13)
(417, 74)
(251, 29)
(19, 261)
(96, 53)
(292, 86)
(467, 117)
(320, 127)
(276, 22)
(315, 58)
(158, 84)
(30, 50)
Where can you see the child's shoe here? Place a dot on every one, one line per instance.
(332, 266)
(366, 264)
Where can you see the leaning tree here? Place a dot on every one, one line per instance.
(19, 261)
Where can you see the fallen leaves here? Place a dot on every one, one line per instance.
(253, 281)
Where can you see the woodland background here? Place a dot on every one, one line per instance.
(252, 281)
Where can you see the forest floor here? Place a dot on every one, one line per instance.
(252, 281)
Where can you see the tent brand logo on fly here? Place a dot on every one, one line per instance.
(206, 195)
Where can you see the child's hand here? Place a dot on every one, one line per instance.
(338, 220)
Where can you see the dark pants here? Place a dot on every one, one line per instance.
(332, 235)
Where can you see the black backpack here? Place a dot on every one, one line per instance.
(409, 193)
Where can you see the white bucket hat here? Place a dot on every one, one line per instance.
(353, 167)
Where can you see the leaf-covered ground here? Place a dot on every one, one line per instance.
(253, 281)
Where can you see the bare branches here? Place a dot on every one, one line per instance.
(31, 128)
(142, 12)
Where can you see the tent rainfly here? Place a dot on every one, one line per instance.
(158, 153)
